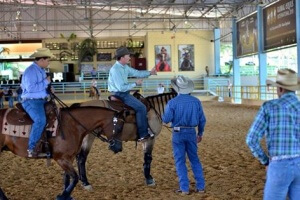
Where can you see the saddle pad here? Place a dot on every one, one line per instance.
(23, 130)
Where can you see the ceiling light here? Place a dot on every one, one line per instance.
(134, 25)
(18, 15)
(34, 27)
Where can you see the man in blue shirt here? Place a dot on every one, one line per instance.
(119, 86)
(278, 121)
(34, 85)
(184, 121)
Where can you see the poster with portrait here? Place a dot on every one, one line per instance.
(186, 57)
(163, 58)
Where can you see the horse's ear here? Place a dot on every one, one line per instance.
(75, 105)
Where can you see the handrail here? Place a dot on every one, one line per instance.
(249, 92)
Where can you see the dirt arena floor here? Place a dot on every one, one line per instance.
(230, 170)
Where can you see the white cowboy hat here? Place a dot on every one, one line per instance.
(182, 85)
(287, 79)
(42, 52)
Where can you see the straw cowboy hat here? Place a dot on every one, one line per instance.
(182, 85)
(41, 53)
(122, 51)
(287, 79)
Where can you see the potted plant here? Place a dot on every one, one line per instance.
(87, 49)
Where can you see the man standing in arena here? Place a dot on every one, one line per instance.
(278, 121)
(184, 120)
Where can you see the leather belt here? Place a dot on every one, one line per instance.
(284, 157)
(34, 98)
(178, 128)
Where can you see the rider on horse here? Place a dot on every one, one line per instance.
(34, 84)
(94, 85)
(118, 85)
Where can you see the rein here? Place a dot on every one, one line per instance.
(168, 128)
(63, 105)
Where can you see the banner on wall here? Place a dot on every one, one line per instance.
(279, 24)
(163, 58)
(247, 36)
(186, 57)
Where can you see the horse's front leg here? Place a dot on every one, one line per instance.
(81, 160)
(147, 148)
(2, 195)
(69, 172)
(66, 180)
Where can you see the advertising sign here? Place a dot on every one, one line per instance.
(279, 24)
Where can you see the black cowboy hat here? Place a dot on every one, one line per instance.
(122, 51)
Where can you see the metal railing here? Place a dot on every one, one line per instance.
(75, 90)
(248, 92)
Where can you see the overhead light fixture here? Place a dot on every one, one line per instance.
(34, 27)
(18, 15)
(134, 25)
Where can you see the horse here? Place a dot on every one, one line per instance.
(69, 136)
(94, 93)
(157, 104)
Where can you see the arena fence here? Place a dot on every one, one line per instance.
(248, 92)
(203, 87)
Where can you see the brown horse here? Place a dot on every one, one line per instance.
(94, 93)
(129, 133)
(66, 144)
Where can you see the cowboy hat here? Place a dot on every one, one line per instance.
(287, 79)
(182, 85)
(41, 53)
(122, 51)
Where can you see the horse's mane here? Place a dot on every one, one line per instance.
(159, 101)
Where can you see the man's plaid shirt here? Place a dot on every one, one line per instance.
(279, 121)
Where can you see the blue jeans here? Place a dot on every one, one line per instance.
(11, 101)
(185, 142)
(35, 109)
(140, 112)
(283, 178)
(1, 102)
(19, 98)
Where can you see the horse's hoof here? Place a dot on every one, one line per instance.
(150, 182)
(87, 187)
